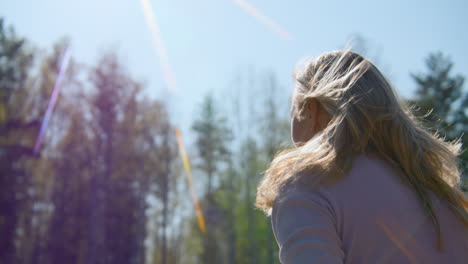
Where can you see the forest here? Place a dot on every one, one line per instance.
(106, 182)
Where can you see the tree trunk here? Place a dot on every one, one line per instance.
(165, 193)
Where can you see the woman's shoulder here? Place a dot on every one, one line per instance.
(305, 225)
(307, 194)
(365, 179)
(367, 175)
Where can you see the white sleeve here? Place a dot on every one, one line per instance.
(304, 227)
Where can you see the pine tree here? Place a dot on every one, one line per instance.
(275, 131)
(212, 137)
(444, 103)
(16, 136)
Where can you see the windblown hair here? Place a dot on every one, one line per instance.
(366, 116)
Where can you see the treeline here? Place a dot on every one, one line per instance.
(83, 197)
(107, 185)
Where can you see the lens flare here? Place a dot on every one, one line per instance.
(53, 99)
(400, 243)
(264, 19)
(188, 170)
(169, 77)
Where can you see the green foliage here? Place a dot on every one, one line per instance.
(444, 103)
(242, 233)
(108, 151)
(83, 197)
(212, 137)
(15, 61)
(16, 139)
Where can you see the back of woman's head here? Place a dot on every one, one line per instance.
(366, 116)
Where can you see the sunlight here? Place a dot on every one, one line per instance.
(53, 99)
(399, 243)
(153, 27)
(264, 19)
(188, 170)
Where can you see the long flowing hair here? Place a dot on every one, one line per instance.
(366, 115)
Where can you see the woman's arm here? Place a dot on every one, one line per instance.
(304, 227)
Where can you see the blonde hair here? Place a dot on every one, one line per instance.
(366, 117)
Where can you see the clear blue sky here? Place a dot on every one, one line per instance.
(209, 41)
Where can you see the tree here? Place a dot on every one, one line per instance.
(119, 184)
(83, 197)
(231, 187)
(67, 236)
(159, 133)
(211, 140)
(64, 154)
(443, 102)
(251, 166)
(16, 136)
(114, 151)
(275, 131)
(212, 136)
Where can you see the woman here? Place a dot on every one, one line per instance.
(366, 183)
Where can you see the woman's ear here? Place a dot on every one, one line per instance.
(311, 109)
(316, 114)
(303, 129)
